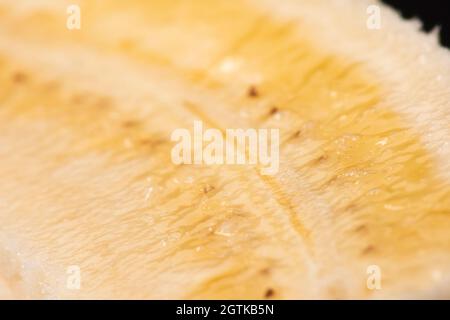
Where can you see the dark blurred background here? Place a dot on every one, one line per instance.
(432, 13)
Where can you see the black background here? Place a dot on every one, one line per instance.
(432, 13)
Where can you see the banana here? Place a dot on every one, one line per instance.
(92, 206)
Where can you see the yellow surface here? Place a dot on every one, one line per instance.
(86, 175)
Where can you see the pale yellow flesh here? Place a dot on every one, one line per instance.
(87, 179)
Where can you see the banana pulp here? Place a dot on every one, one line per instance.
(87, 179)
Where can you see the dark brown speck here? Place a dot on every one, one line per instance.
(265, 271)
(130, 124)
(273, 111)
(361, 228)
(253, 92)
(208, 188)
(321, 159)
(19, 77)
(269, 293)
(368, 249)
